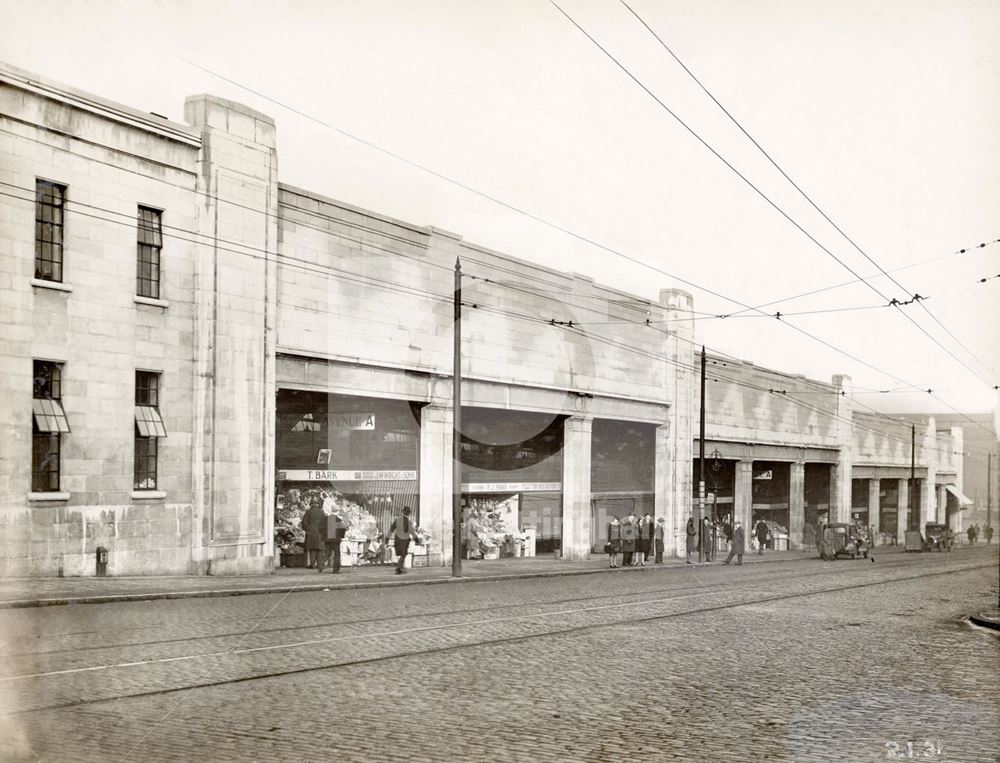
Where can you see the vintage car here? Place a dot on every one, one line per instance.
(938, 536)
(843, 540)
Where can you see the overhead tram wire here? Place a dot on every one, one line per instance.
(518, 210)
(814, 205)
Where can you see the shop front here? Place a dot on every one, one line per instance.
(888, 516)
(720, 491)
(817, 499)
(511, 483)
(859, 502)
(356, 456)
(622, 459)
(770, 502)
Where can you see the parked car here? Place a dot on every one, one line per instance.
(938, 536)
(843, 540)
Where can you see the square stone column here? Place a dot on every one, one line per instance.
(436, 437)
(663, 489)
(928, 455)
(874, 500)
(942, 505)
(796, 504)
(576, 487)
(843, 471)
(743, 495)
(903, 511)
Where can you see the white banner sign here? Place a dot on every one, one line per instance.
(346, 475)
(511, 487)
(763, 475)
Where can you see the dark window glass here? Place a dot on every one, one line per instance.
(50, 200)
(147, 393)
(45, 441)
(150, 241)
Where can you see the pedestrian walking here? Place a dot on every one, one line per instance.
(630, 532)
(403, 531)
(971, 532)
(659, 537)
(692, 539)
(761, 532)
(738, 546)
(614, 544)
(334, 531)
(314, 525)
(988, 532)
(707, 532)
(645, 544)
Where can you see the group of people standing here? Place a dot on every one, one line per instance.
(324, 532)
(705, 539)
(635, 539)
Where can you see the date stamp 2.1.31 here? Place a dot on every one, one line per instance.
(925, 748)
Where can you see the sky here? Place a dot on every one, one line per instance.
(885, 114)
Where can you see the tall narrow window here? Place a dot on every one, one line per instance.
(48, 424)
(150, 241)
(148, 428)
(50, 200)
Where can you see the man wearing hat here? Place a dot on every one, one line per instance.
(658, 533)
(402, 531)
(739, 544)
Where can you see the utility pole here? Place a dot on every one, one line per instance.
(912, 524)
(989, 490)
(456, 432)
(701, 466)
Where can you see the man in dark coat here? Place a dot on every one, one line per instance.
(692, 539)
(739, 544)
(314, 525)
(760, 531)
(630, 537)
(402, 531)
(334, 531)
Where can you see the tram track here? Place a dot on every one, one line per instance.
(722, 585)
(512, 639)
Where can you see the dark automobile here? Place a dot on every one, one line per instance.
(843, 540)
(938, 536)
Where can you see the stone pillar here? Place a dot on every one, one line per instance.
(678, 348)
(796, 504)
(927, 454)
(234, 296)
(903, 510)
(958, 461)
(941, 512)
(874, 503)
(576, 487)
(436, 437)
(663, 505)
(840, 492)
(743, 495)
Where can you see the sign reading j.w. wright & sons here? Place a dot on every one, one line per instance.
(346, 475)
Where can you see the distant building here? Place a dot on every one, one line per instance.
(192, 348)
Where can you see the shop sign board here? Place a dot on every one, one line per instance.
(511, 487)
(346, 475)
(353, 421)
(764, 475)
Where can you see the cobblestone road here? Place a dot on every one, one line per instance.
(846, 661)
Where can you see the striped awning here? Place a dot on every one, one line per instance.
(50, 418)
(148, 422)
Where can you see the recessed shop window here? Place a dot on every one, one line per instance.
(50, 200)
(150, 242)
(49, 423)
(148, 429)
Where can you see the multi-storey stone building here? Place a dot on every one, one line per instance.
(188, 344)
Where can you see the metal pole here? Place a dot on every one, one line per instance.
(456, 431)
(914, 523)
(701, 470)
(989, 489)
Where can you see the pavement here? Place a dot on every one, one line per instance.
(787, 661)
(41, 592)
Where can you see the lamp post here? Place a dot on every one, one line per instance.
(456, 433)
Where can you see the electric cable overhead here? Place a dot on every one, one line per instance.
(809, 199)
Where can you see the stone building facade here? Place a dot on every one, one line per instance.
(188, 344)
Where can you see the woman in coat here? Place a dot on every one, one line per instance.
(314, 525)
(630, 531)
(692, 539)
(614, 540)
